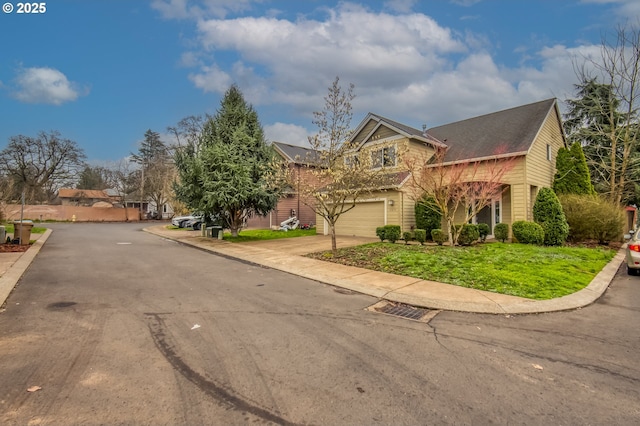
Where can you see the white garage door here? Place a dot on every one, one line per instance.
(362, 220)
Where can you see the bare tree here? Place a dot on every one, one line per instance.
(337, 176)
(123, 180)
(458, 191)
(39, 166)
(188, 130)
(605, 118)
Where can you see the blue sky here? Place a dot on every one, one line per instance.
(102, 72)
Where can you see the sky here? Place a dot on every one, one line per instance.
(102, 72)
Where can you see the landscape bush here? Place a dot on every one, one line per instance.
(439, 236)
(592, 218)
(406, 236)
(380, 232)
(501, 232)
(468, 234)
(420, 235)
(528, 232)
(547, 212)
(392, 233)
(483, 230)
(428, 215)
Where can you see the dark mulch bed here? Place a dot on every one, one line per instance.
(13, 248)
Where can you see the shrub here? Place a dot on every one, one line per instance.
(420, 235)
(501, 232)
(483, 230)
(572, 175)
(380, 232)
(392, 233)
(547, 211)
(428, 215)
(592, 218)
(528, 232)
(439, 236)
(468, 235)
(406, 236)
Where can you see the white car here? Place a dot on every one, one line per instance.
(180, 221)
(633, 254)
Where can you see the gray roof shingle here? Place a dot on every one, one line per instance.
(296, 154)
(507, 132)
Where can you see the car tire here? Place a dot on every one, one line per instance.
(197, 226)
(631, 271)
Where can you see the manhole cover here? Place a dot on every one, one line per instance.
(401, 310)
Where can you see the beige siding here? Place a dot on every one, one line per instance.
(359, 138)
(519, 202)
(506, 207)
(382, 133)
(540, 170)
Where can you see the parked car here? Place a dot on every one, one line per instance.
(197, 221)
(633, 254)
(180, 221)
(194, 223)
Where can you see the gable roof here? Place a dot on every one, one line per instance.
(401, 129)
(504, 133)
(296, 154)
(81, 193)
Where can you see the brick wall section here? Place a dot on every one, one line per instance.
(62, 213)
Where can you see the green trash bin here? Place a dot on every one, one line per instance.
(216, 232)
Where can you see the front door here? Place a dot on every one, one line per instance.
(490, 214)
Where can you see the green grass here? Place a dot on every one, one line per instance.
(8, 227)
(521, 270)
(267, 234)
(258, 234)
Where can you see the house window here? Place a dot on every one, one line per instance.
(351, 161)
(548, 152)
(383, 157)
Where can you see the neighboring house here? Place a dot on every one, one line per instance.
(148, 210)
(83, 197)
(531, 135)
(298, 159)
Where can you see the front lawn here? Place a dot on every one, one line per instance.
(521, 270)
(8, 227)
(267, 234)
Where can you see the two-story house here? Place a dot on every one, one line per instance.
(529, 135)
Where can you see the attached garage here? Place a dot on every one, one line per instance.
(362, 220)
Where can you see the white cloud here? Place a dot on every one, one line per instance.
(287, 133)
(302, 57)
(405, 66)
(45, 86)
(211, 79)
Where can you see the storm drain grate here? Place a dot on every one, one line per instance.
(401, 310)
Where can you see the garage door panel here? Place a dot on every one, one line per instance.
(362, 220)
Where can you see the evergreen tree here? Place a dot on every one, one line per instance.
(224, 172)
(428, 215)
(156, 171)
(547, 211)
(572, 174)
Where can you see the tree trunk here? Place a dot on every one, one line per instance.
(334, 246)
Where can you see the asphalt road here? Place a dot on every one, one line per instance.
(117, 326)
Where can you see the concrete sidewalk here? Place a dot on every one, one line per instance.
(287, 255)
